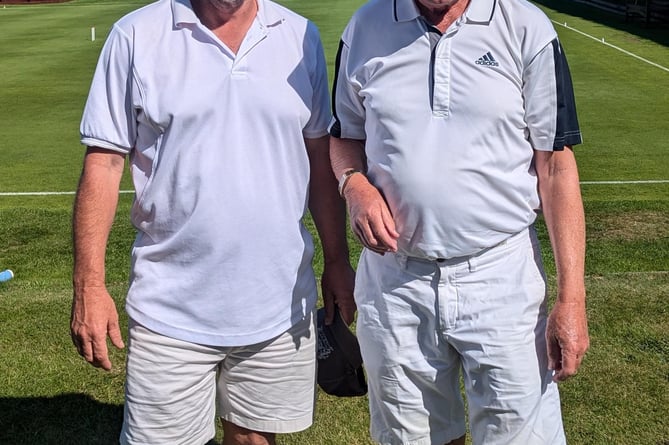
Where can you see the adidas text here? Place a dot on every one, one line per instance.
(487, 60)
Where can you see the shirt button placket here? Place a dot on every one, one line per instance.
(442, 78)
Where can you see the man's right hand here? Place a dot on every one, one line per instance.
(370, 216)
(94, 317)
(94, 314)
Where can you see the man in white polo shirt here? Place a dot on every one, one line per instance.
(222, 108)
(453, 127)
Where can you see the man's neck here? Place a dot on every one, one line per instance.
(217, 13)
(443, 16)
(229, 20)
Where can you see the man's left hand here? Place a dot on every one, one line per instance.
(337, 284)
(567, 337)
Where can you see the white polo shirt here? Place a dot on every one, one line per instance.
(451, 121)
(218, 159)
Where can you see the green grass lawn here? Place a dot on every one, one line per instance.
(49, 395)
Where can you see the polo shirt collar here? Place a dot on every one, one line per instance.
(478, 11)
(182, 13)
(268, 14)
(405, 10)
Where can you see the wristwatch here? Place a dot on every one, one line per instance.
(343, 180)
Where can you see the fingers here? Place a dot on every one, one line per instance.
(565, 362)
(101, 355)
(337, 284)
(566, 338)
(329, 304)
(86, 351)
(371, 219)
(569, 367)
(554, 355)
(346, 310)
(92, 320)
(376, 232)
(347, 313)
(378, 240)
(115, 334)
(93, 350)
(366, 236)
(566, 365)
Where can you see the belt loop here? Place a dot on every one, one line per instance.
(471, 262)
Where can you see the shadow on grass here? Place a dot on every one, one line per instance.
(71, 419)
(658, 33)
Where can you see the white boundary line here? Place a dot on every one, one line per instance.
(650, 181)
(641, 272)
(658, 181)
(47, 193)
(612, 46)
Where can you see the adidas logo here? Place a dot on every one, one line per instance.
(487, 60)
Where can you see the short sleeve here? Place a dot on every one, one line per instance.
(348, 110)
(550, 106)
(110, 118)
(320, 109)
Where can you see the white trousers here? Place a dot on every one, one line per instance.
(422, 324)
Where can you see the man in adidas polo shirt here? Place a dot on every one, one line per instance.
(453, 127)
(222, 108)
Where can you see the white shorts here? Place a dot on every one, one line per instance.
(173, 387)
(421, 322)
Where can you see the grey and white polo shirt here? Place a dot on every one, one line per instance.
(451, 120)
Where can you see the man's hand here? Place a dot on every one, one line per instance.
(370, 216)
(337, 284)
(94, 315)
(567, 337)
(92, 319)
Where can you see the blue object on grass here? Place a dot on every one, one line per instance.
(6, 275)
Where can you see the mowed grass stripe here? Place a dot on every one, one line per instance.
(604, 42)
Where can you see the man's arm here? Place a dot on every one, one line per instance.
(567, 330)
(329, 214)
(370, 216)
(94, 314)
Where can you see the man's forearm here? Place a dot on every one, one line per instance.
(93, 215)
(326, 207)
(563, 211)
(346, 154)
